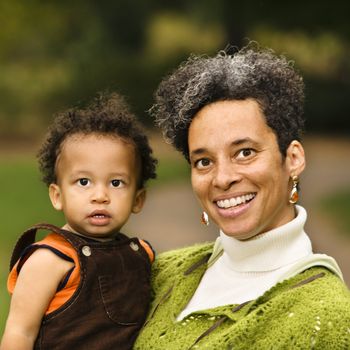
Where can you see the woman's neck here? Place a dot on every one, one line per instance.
(270, 250)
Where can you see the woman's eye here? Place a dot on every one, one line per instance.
(202, 163)
(116, 183)
(245, 153)
(83, 182)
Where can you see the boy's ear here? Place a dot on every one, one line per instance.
(295, 158)
(139, 200)
(55, 196)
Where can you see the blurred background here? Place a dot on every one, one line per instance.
(57, 54)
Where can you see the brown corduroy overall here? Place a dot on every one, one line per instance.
(111, 302)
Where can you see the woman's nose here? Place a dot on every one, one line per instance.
(225, 175)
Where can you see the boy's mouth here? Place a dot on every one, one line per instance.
(99, 214)
(99, 218)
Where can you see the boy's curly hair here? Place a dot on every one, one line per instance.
(108, 114)
(251, 72)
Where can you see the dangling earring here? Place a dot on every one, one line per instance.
(205, 218)
(294, 195)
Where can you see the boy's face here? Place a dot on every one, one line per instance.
(97, 184)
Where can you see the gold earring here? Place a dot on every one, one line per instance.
(294, 195)
(205, 218)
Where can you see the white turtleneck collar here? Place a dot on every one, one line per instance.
(269, 251)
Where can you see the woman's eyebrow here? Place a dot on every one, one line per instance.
(238, 142)
(198, 151)
(243, 140)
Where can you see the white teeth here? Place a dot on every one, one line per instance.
(232, 202)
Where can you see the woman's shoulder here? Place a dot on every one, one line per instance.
(317, 285)
(177, 261)
(318, 304)
(190, 253)
(313, 294)
(311, 308)
(328, 283)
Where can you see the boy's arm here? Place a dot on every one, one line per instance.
(35, 287)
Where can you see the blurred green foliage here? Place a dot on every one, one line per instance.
(337, 207)
(56, 54)
(23, 202)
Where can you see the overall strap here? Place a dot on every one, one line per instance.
(28, 238)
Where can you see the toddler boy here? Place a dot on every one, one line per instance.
(85, 285)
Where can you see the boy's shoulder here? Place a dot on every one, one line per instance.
(58, 242)
(53, 238)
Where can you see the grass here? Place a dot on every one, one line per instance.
(24, 201)
(337, 207)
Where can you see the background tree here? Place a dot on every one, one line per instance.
(57, 54)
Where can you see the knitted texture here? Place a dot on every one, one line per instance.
(308, 311)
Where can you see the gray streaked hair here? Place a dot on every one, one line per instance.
(251, 72)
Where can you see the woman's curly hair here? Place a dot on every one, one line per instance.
(251, 72)
(108, 114)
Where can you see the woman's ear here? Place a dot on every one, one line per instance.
(295, 158)
(55, 196)
(139, 200)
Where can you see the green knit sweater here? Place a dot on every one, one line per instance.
(308, 311)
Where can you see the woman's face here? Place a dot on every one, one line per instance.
(238, 172)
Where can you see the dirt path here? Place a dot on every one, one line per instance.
(171, 217)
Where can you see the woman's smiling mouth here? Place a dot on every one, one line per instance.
(235, 201)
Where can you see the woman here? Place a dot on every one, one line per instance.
(238, 121)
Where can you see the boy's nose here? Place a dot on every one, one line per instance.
(100, 195)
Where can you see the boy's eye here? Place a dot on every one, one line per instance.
(202, 163)
(116, 183)
(83, 182)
